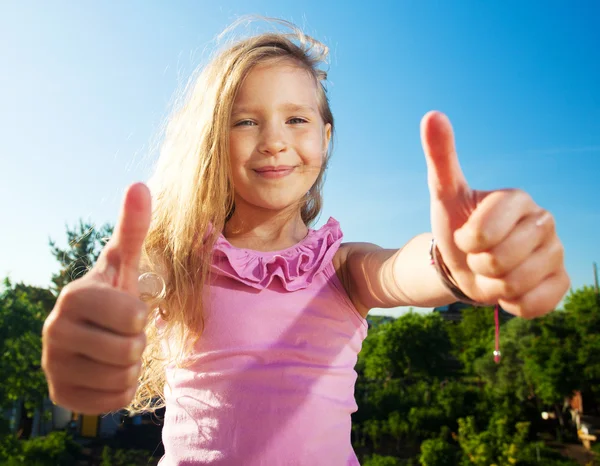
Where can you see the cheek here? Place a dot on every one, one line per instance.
(237, 152)
(311, 150)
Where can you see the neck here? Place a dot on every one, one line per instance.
(252, 227)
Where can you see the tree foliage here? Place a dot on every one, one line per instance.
(23, 310)
(85, 243)
(21, 321)
(430, 389)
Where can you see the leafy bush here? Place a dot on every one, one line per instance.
(9, 447)
(438, 452)
(122, 457)
(378, 460)
(55, 449)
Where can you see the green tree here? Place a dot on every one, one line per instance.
(551, 358)
(379, 460)
(583, 308)
(55, 449)
(545, 360)
(411, 347)
(21, 322)
(438, 452)
(85, 243)
(508, 379)
(502, 443)
(402, 390)
(411, 394)
(42, 296)
(473, 336)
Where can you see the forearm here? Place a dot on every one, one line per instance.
(410, 278)
(386, 278)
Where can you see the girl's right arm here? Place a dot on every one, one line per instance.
(93, 340)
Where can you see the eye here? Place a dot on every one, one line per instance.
(297, 120)
(245, 123)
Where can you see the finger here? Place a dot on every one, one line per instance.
(544, 262)
(444, 174)
(103, 306)
(90, 401)
(98, 345)
(495, 217)
(85, 373)
(522, 241)
(542, 299)
(120, 261)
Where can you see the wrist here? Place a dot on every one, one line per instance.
(446, 277)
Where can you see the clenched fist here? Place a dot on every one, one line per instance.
(94, 337)
(500, 246)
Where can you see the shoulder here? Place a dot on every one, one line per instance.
(349, 258)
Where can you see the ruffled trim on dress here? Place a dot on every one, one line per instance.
(294, 267)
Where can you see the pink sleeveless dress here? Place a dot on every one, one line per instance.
(272, 378)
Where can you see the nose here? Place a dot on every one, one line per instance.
(272, 140)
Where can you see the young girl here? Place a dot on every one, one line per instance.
(252, 343)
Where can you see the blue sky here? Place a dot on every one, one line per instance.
(84, 87)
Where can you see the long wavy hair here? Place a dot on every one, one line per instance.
(193, 195)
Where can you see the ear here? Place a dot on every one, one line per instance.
(327, 138)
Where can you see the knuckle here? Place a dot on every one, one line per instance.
(529, 310)
(481, 237)
(48, 330)
(527, 314)
(522, 196)
(523, 309)
(134, 348)
(52, 332)
(46, 361)
(68, 295)
(509, 289)
(489, 295)
(558, 251)
(134, 375)
(496, 265)
(519, 311)
(73, 296)
(52, 393)
(57, 395)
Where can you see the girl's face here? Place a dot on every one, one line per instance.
(278, 141)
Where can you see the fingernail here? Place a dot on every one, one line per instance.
(543, 219)
(134, 373)
(141, 318)
(137, 348)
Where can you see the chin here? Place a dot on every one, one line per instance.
(275, 204)
(280, 206)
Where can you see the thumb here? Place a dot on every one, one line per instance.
(123, 253)
(445, 177)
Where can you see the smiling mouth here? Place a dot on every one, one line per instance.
(274, 172)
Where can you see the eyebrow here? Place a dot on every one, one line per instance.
(287, 106)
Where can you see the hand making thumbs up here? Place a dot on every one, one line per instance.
(94, 337)
(500, 246)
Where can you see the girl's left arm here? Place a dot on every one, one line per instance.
(384, 278)
(498, 246)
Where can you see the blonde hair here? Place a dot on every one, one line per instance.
(193, 195)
